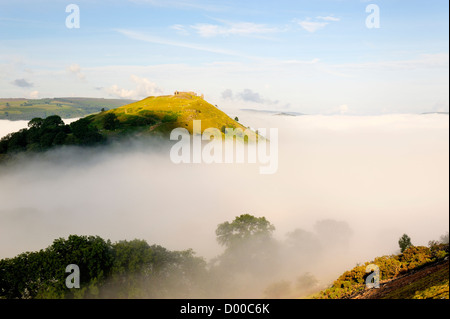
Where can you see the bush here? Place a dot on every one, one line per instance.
(414, 256)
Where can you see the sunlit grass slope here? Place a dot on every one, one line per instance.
(161, 114)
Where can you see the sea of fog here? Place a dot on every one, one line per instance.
(382, 175)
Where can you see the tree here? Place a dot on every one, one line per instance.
(52, 121)
(302, 248)
(444, 238)
(250, 248)
(236, 119)
(42, 274)
(36, 122)
(85, 132)
(404, 242)
(277, 290)
(334, 233)
(60, 138)
(110, 122)
(306, 283)
(243, 228)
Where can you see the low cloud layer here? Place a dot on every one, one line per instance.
(247, 95)
(378, 177)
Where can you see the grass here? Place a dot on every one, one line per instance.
(433, 286)
(413, 258)
(164, 113)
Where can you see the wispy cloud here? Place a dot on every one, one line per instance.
(153, 39)
(233, 28)
(329, 18)
(185, 4)
(314, 24)
(181, 29)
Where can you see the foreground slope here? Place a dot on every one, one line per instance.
(431, 282)
(417, 273)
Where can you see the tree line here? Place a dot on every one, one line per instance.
(43, 134)
(135, 269)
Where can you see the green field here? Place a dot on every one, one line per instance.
(27, 109)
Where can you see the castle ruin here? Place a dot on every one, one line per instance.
(190, 93)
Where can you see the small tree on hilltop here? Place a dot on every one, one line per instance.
(404, 242)
(444, 238)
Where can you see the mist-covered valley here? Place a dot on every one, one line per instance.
(346, 188)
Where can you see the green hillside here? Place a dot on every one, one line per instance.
(27, 109)
(418, 273)
(162, 114)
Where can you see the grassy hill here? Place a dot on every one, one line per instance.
(418, 273)
(27, 109)
(161, 114)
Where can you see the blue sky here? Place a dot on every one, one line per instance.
(315, 57)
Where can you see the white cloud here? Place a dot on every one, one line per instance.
(144, 88)
(233, 28)
(75, 69)
(154, 39)
(329, 18)
(181, 29)
(34, 94)
(312, 26)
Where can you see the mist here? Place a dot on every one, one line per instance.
(7, 127)
(378, 176)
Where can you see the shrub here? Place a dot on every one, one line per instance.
(416, 256)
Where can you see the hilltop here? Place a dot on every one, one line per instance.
(161, 114)
(65, 107)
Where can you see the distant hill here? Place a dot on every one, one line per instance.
(65, 107)
(442, 113)
(273, 112)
